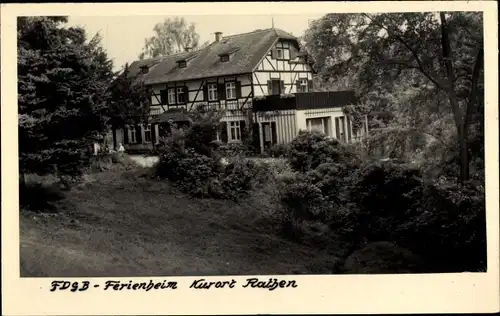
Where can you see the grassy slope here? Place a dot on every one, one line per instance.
(123, 225)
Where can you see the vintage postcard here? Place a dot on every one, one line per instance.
(250, 158)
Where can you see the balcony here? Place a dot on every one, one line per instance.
(303, 101)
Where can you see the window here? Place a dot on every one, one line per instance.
(224, 58)
(147, 133)
(171, 96)
(279, 53)
(320, 124)
(230, 90)
(212, 91)
(144, 69)
(234, 131)
(302, 86)
(182, 64)
(181, 98)
(275, 87)
(133, 136)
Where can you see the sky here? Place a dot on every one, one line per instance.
(123, 36)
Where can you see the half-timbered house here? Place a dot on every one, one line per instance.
(262, 82)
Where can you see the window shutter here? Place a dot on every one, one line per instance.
(221, 91)
(153, 134)
(282, 87)
(269, 87)
(125, 134)
(205, 92)
(164, 96)
(238, 89)
(223, 132)
(186, 94)
(297, 86)
(309, 85)
(243, 130)
(138, 133)
(273, 53)
(274, 135)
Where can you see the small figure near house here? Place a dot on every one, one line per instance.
(120, 148)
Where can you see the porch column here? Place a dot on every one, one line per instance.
(261, 138)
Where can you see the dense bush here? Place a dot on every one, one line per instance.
(192, 160)
(311, 149)
(440, 222)
(278, 150)
(382, 257)
(381, 193)
(38, 196)
(447, 224)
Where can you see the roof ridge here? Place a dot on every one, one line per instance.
(246, 33)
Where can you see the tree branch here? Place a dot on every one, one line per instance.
(413, 52)
(478, 64)
(446, 47)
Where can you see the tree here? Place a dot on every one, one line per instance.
(129, 100)
(62, 88)
(434, 60)
(172, 36)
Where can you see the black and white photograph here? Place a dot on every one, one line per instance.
(189, 145)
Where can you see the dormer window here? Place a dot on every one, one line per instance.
(144, 69)
(182, 64)
(224, 58)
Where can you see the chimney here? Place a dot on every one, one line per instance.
(218, 36)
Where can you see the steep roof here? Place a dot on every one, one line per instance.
(246, 51)
(134, 69)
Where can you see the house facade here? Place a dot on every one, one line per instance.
(261, 81)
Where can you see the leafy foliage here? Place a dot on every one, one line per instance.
(423, 225)
(419, 73)
(172, 36)
(62, 85)
(129, 100)
(191, 159)
(311, 149)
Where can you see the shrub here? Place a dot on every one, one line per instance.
(200, 137)
(311, 149)
(382, 257)
(238, 178)
(447, 225)
(38, 196)
(278, 150)
(302, 199)
(381, 193)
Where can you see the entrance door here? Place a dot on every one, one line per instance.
(269, 135)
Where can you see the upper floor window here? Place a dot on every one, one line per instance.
(181, 98)
(230, 90)
(302, 86)
(212, 91)
(171, 96)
